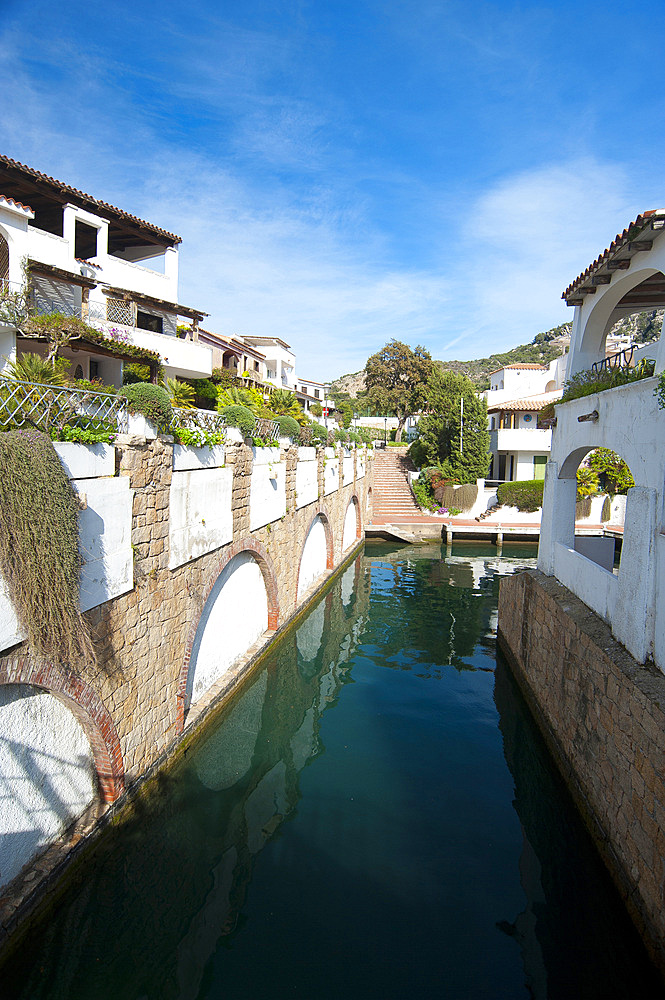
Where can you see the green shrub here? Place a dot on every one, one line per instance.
(586, 383)
(526, 495)
(239, 416)
(319, 434)
(341, 436)
(150, 400)
(606, 512)
(135, 372)
(366, 435)
(288, 427)
(206, 393)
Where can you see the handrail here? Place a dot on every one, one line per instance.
(48, 407)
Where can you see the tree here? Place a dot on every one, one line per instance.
(316, 410)
(454, 434)
(612, 472)
(396, 378)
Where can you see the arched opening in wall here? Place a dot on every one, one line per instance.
(352, 529)
(603, 481)
(551, 385)
(4, 264)
(316, 555)
(369, 501)
(641, 290)
(47, 773)
(235, 615)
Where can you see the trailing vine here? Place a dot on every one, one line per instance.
(39, 550)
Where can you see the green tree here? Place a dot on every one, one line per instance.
(454, 434)
(396, 378)
(316, 410)
(611, 470)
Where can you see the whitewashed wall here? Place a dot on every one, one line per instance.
(307, 487)
(360, 464)
(347, 469)
(330, 472)
(105, 536)
(235, 615)
(201, 514)
(349, 534)
(314, 556)
(267, 495)
(46, 774)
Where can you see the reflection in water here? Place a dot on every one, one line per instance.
(349, 827)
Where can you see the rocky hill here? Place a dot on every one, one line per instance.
(640, 327)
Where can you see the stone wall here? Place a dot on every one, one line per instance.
(601, 714)
(130, 703)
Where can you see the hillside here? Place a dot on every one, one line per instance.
(640, 327)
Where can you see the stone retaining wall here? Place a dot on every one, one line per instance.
(601, 714)
(143, 637)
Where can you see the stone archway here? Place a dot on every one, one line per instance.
(352, 529)
(253, 609)
(316, 555)
(89, 711)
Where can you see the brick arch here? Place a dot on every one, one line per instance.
(86, 706)
(321, 513)
(261, 556)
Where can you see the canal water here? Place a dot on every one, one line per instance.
(373, 816)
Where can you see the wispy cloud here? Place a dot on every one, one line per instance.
(294, 223)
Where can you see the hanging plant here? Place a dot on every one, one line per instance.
(39, 548)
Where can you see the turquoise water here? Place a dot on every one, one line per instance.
(374, 816)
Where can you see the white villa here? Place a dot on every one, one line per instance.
(517, 393)
(90, 259)
(628, 277)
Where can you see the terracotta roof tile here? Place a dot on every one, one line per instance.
(17, 204)
(530, 367)
(533, 403)
(67, 189)
(630, 232)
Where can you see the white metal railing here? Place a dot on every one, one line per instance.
(48, 407)
(208, 421)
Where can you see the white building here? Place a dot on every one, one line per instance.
(279, 358)
(90, 259)
(628, 277)
(517, 393)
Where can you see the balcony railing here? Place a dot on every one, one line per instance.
(623, 359)
(52, 407)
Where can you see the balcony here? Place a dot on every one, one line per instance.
(181, 358)
(520, 439)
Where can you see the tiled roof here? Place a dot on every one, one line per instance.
(532, 403)
(621, 242)
(16, 204)
(531, 367)
(81, 195)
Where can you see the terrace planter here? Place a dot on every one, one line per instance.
(186, 458)
(86, 461)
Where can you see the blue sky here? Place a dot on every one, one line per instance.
(346, 172)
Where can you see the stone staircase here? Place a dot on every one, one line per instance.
(392, 496)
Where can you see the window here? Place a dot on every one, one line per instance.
(146, 321)
(491, 423)
(316, 393)
(85, 241)
(94, 369)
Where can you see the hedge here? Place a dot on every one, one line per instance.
(526, 495)
(239, 416)
(150, 400)
(288, 427)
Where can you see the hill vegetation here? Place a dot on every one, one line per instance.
(640, 327)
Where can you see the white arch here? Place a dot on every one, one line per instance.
(314, 557)
(598, 314)
(349, 534)
(235, 615)
(47, 774)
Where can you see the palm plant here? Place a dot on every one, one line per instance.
(34, 368)
(182, 394)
